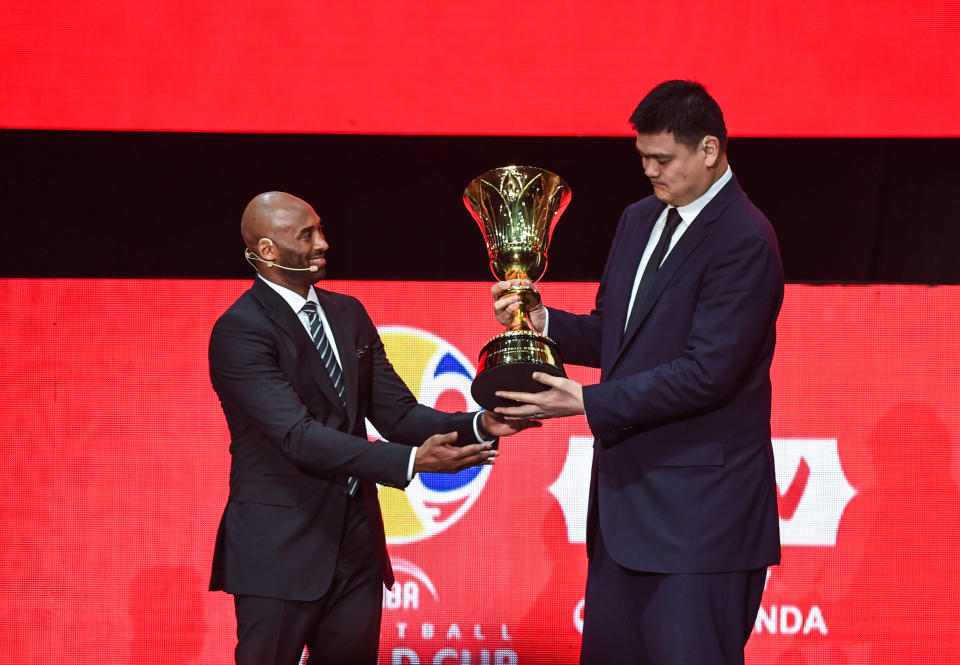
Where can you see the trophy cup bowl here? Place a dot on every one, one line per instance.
(517, 208)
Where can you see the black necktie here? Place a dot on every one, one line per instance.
(653, 265)
(330, 362)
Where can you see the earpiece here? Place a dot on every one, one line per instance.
(252, 256)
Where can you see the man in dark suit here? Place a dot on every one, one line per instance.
(682, 519)
(301, 543)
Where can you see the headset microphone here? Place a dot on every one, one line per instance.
(251, 257)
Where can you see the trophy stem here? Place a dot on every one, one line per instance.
(529, 299)
(515, 273)
(519, 321)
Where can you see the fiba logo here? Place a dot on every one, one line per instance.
(440, 377)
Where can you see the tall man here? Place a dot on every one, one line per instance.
(682, 518)
(297, 369)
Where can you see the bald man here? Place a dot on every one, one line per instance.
(301, 543)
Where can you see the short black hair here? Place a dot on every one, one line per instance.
(682, 108)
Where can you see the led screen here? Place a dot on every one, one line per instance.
(115, 458)
(811, 68)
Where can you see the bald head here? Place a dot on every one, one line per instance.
(267, 213)
(283, 236)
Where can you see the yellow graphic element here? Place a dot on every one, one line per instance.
(399, 520)
(409, 353)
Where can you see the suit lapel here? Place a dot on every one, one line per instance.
(343, 327)
(622, 287)
(286, 319)
(685, 245)
(689, 241)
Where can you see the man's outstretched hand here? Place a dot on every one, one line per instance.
(438, 454)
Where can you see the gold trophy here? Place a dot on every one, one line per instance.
(517, 208)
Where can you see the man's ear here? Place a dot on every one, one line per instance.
(266, 249)
(710, 145)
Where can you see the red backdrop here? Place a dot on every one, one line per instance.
(115, 462)
(806, 68)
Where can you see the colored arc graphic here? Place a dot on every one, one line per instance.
(439, 375)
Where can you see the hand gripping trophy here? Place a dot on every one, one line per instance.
(517, 208)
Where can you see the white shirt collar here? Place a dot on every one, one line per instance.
(689, 212)
(294, 299)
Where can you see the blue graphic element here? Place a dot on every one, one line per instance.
(444, 482)
(450, 365)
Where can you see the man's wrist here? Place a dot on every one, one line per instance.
(483, 436)
(410, 463)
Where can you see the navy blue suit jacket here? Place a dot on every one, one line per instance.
(683, 477)
(293, 444)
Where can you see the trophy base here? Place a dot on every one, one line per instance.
(508, 361)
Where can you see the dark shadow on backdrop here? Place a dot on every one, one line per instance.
(137, 204)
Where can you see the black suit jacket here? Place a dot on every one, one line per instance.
(293, 444)
(683, 476)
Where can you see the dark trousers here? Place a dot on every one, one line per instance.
(639, 618)
(341, 628)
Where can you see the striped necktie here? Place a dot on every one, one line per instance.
(326, 350)
(330, 362)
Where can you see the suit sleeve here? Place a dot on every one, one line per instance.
(395, 412)
(733, 321)
(256, 394)
(579, 335)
